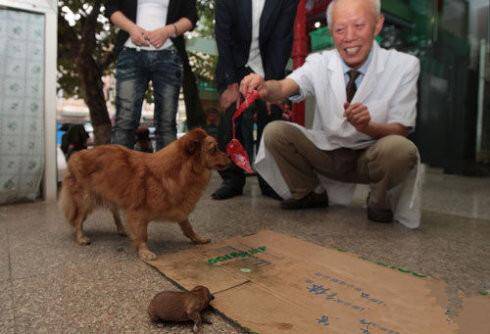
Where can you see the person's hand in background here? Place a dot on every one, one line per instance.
(229, 96)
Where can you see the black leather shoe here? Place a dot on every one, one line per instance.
(378, 215)
(225, 192)
(269, 192)
(272, 194)
(312, 200)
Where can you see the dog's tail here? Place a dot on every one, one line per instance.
(67, 202)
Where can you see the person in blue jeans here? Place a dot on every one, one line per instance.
(149, 47)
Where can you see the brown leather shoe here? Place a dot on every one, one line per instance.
(312, 200)
(379, 215)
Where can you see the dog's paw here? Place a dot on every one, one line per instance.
(201, 241)
(160, 325)
(122, 232)
(83, 241)
(146, 255)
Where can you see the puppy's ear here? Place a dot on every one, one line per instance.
(194, 140)
(192, 146)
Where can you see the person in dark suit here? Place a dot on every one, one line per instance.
(149, 47)
(253, 36)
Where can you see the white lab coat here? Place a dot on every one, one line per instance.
(389, 90)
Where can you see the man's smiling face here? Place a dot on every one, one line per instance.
(354, 26)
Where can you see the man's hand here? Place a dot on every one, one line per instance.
(229, 96)
(358, 115)
(252, 82)
(159, 36)
(139, 36)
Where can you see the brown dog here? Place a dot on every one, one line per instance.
(180, 306)
(165, 185)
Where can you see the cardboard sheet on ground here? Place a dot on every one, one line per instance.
(272, 283)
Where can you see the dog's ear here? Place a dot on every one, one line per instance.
(192, 146)
(193, 140)
(203, 290)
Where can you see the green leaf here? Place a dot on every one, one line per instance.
(416, 274)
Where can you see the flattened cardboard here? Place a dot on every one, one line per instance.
(272, 283)
(474, 315)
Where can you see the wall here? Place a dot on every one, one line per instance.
(22, 105)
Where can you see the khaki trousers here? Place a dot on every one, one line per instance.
(383, 165)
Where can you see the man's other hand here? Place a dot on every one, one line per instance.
(252, 82)
(358, 115)
(139, 36)
(159, 36)
(229, 96)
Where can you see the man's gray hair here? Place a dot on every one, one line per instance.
(375, 3)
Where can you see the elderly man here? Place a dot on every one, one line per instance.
(365, 107)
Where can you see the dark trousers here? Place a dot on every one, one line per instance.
(235, 176)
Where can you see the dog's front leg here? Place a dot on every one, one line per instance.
(139, 234)
(189, 232)
(196, 317)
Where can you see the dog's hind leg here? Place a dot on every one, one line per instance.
(76, 207)
(117, 221)
(188, 231)
(77, 223)
(139, 234)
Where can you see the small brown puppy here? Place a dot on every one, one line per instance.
(165, 185)
(180, 306)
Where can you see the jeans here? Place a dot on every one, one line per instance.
(134, 70)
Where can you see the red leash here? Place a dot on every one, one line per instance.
(235, 149)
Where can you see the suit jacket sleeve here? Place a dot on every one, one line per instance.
(225, 69)
(189, 11)
(111, 6)
(281, 41)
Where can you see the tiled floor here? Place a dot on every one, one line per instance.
(49, 284)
